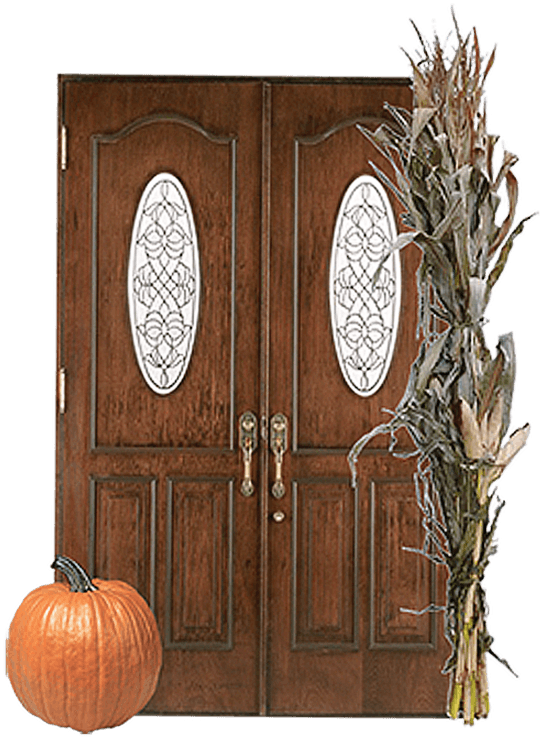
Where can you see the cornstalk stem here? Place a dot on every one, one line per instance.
(469, 694)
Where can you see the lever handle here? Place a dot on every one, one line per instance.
(278, 444)
(248, 441)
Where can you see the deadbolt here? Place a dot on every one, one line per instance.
(278, 516)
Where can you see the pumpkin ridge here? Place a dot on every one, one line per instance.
(13, 652)
(13, 658)
(110, 720)
(45, 709)
(98, 628)
(125, 604)
(71, 627)
(82, 653)
(65, 668)
(62, 716)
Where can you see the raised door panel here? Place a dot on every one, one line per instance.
(324, 565)
(325, 166)
(124, 412)
(200, 550)
(123, 509)
(401, 579)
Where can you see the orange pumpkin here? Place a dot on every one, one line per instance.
(86, 656)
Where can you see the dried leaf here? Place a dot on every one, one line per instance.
(477, 294)
(512, 194)
(489, 64)
(494, 425)
(503, 257)
(422, 93)
(421, 118)
(477, 57)
(403, 239)
(509, 160)
(388, 183)
(447, 163)
(471, 433)
(506, 380)
(515, 443)
(431, 358)
(450, 217)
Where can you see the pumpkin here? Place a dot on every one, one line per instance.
(85, 655)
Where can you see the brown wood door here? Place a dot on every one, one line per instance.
(257, 615)
(338, 571)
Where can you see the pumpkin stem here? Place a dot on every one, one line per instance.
(77, 577)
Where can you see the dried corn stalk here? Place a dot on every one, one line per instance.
(457, 403)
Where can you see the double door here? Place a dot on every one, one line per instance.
(223, 341)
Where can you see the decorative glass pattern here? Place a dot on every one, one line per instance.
(364, 295)
(163, 283)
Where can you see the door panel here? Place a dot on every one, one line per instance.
(396, 581)
(324, 565)
(200, 564)
(124, 412)
(324, 165)
(293, 614)
(123, 509)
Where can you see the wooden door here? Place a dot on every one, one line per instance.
(149, 482)
(339, 642)
(265, 605)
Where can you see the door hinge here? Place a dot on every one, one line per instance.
(62, 390)
(63, 148)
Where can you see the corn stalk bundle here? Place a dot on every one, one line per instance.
(457, 403)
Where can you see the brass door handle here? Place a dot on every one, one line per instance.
(248, 442)
(278, 445)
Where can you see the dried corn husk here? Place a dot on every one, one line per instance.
(457, 403)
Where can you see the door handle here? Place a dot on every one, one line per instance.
(278, 445)
(248, 442)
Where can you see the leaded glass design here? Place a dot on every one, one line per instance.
(163, 283)
(364, 300)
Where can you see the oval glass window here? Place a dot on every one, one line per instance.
(365, 296)
(163, 283)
